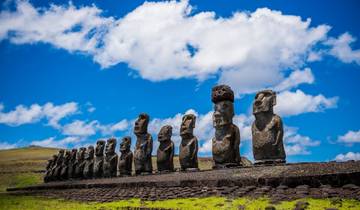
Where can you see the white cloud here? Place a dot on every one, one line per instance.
(80, 128)
(57, 143)
(296, 78)
(297, 144)
(112, 128)
(34, 113)
(350, 137)
(295, 103)
(348, 156)
(168, 40)
(341, 49)
(6, 145)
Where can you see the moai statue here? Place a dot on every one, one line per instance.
(79, 163)
(126, 157)
(189, 144)
(267, 130)
(71, 168)
(99, 159)
(50, 165)
(226, 143)
(65, 166)
(57, 169)
(89, 163)
(143, 147)
(111, 159)
(165, 152)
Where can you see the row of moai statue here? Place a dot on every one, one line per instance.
(267, 142)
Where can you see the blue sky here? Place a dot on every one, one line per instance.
(74, 72)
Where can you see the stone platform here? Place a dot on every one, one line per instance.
(279, 182)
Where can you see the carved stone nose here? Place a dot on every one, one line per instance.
(258, 103)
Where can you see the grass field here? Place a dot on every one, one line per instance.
(18, 168)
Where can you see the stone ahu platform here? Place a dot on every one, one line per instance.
(280, 182)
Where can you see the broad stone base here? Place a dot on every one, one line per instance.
(281, 182)
(225, 165)
(270, 162)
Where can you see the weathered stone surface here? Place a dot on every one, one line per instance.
(99, 159)
(267, 130)
(144, 145)
(279, 182)
(80, 163)
(71, 168)
(165, 152)
(57, 169)
(49, 168)
(89, 163)
(64, 174)
(189, 144)
(226, 143)
(126, 157)
(111, 159)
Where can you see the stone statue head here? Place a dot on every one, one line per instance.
(165, 133)
(141, 124)
(264, 101)
(187, 124)
(89, 154)
(67, 156)
(73, 154)
(125, 144)
(110, 146)
(100, 146)
(81, 153)
(60, 156)
(223, 97)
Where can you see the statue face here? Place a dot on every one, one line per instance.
(110, 146)
(187, 124)
(141, 124)
(264, 101)
(81, 153)
(125, 144)
(165, 133)
(73, 153)
(89, 154)
(67, 155)
(223, 114)
(100, 146)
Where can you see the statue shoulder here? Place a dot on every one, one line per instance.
(277, 119)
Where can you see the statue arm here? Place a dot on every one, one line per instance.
(280, 133)
(237, 143)
(195, 142)
(172, 150)
(149, 145)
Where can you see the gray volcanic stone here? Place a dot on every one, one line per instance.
(64, 174)
(267, 130)
(99, 159)
(126, 157)
(226, 143)
(89, 163)
(144, 145)
(79, 163)
(111, 159)
(49, 168)
(165, 152)
(189, 144)
(71, 168)
(56, 172)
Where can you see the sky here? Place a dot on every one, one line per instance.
(75, 72)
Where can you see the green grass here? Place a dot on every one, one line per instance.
(9, 202)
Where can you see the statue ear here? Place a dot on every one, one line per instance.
(274, 99)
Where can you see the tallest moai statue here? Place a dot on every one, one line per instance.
(225, 144)
(144, 146)
(267, 130)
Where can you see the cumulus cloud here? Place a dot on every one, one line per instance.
(295, 103)
(35, 112)
(296, 78)
(80, 128)
(6, 145)
(348, 156)
(168, 40)
(350, 137)
(341, 49)
(297, 144)
(57, 143)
